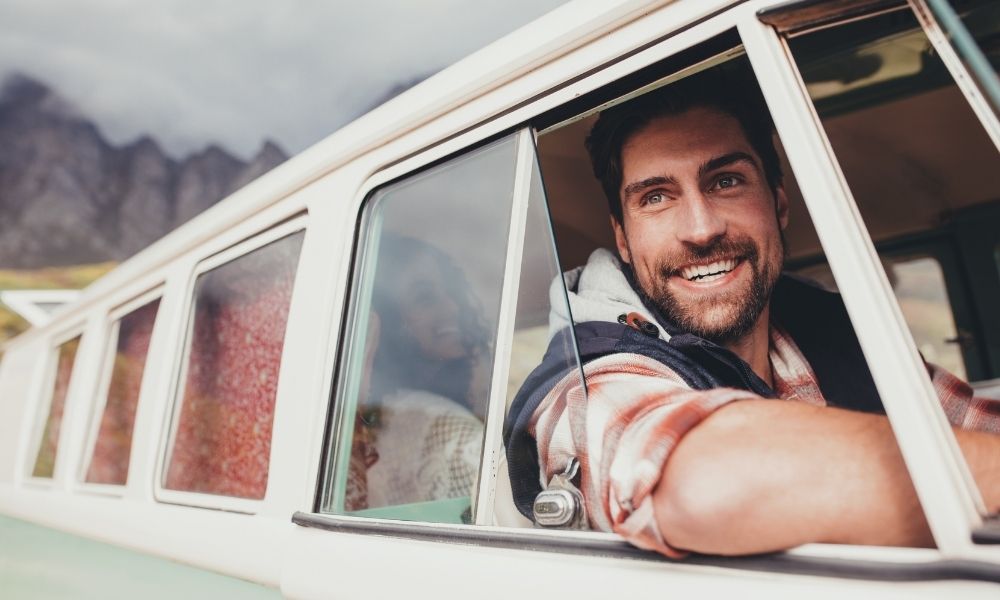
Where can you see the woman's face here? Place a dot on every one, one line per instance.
(429, 313)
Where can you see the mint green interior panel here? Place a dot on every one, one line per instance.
(435, 511)
(41, 563)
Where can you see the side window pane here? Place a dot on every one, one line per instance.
(913, 185)
(921, 190)
(222, 438)
(921, 289)
(980, 20)
(918, 282)
(422, 341)
(45, 461)
(110, 456)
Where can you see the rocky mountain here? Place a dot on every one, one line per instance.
(68, 196)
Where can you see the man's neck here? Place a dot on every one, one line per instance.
(754, 347)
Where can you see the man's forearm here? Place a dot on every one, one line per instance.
(766, 475)
(982, 453)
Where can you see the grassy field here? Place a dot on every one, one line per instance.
(49, 278)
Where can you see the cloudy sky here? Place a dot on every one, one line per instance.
(193, 72)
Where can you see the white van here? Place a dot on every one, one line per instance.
(219, 416)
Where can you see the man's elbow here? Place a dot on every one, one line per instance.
(715, 487)
(697, 511)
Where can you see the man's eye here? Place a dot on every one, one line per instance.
(727, 181)
(655, 198)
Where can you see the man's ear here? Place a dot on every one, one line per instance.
(781, 206)
(621, 241)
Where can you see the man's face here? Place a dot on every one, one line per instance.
(701, 226)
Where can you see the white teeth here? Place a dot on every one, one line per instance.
(709, 272)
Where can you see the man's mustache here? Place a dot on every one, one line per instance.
(719, 249)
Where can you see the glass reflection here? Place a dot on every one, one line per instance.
(110, 457)
(45, 460)
(222, 439)
(424, 339)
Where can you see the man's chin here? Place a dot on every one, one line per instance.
(720, 321)
(718, 330)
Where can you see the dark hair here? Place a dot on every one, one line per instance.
(727, 90)
(399, 363)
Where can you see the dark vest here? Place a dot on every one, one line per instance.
(815, 318)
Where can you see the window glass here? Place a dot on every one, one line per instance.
(109, 458)
(918, 282)
(981, 19)
(978, 23)
(923, 172)
(922, 292)
(45, 460)
(542, 308)
(909, 182)
(221, 442)
(422, 340)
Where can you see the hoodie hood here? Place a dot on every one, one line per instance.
(597, 291)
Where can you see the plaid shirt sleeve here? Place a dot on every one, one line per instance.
(635, 411)
(964, 410)
(622, 429)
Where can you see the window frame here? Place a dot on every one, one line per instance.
(964, 59)
(953, 508)
(828, 195)
(43, 406)
(109, 326)
(271, 232)
(484, 132)
(338, 409)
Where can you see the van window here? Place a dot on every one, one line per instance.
(416, 372)
(221, 439)
(609, 291)
(912, 184)
(65, 356)
(109, 455)
(981, 19)
(927, 192)
(921, 289)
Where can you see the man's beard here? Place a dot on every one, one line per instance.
(746, 305)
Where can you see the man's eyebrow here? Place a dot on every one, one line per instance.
(724, 161)
(638, 186)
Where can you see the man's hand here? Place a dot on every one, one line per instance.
(760, 476)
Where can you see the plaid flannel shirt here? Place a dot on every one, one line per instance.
(636, 410)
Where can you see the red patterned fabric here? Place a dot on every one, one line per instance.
(222, 443)
(635, 411)
(45, 461)
(110, 459)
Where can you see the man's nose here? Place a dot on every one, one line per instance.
(701, 222)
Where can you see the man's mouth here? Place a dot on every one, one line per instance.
(709, 272)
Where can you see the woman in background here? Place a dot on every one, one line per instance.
(418, 437)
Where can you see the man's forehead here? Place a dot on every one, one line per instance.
(692, 135)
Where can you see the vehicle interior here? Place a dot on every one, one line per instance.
(917, 160)
(926, 194)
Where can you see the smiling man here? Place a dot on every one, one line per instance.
(728, 408)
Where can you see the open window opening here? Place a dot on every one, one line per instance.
(921, 165)
(648, 260)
